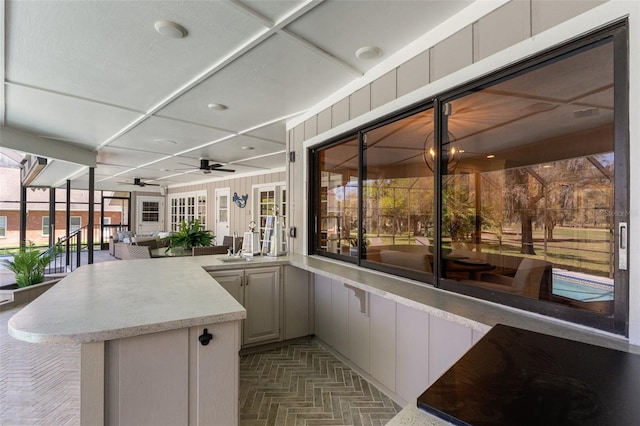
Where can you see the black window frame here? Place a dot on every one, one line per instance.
(619, 322)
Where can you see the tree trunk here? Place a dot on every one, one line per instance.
(527, 233)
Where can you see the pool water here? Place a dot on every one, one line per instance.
(581, 289)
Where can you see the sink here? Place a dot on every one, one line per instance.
(235, 259)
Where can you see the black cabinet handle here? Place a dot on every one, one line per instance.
(205, 337)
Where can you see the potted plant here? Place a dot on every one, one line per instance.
(29, 263)
(188, 236)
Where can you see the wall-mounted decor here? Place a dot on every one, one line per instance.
(240, 201)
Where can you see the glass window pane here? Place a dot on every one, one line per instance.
(528, 191)
(3, 226)
(398, 194)
(338, 203)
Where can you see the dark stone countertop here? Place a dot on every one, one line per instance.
(518, 377)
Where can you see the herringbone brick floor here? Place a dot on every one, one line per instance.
(304, 384)
(39, 384)
(298, 384)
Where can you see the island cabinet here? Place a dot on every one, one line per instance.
(172, 378)
(258, 290)
(403, 349)
(159, 341)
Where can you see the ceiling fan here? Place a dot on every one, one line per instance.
(139, 182)
(206, 167)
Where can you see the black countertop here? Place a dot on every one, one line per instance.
(518, 377)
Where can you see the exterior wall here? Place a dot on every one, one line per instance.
(238, 218)
(34, 225)
(485, 37)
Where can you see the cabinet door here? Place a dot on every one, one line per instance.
(232, 281)
(340, 317)
(448, 341)
(412, 352)
(322, 308)
(262, 301)
(213, 376)
(359, 328)
(382, 340)
(295, 293)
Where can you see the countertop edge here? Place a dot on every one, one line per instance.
(100, 336)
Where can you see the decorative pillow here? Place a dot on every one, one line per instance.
(124, 234)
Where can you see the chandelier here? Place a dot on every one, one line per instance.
(451, 155)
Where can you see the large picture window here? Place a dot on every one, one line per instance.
(512, 189)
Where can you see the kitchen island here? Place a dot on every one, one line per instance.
(159, 341)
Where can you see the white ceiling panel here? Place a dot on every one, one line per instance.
(231, 150)
(105, 170)
(276, 132)
(117, 56)
(167, 136)
(277, 78)
(71, 119)
(266, 161)
(126, 157)
(342, 27)
(56, 171)
(272, 10)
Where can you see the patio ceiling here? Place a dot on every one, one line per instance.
(96, 76)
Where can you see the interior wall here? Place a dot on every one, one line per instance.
(239, 218)
(483, 43)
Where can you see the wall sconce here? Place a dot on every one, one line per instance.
(451, 155)
(240, 201)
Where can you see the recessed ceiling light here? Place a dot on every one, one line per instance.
(247, 148)
(490, 156)
(170, 29)
(217, 107)
(368, 52)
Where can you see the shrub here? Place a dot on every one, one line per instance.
(29, 263)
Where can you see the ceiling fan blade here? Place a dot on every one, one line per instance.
(223, 170)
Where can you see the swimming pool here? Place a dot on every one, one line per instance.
(581, 288)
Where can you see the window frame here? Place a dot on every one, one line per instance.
(618, 323)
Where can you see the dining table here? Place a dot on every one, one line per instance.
(472, 268)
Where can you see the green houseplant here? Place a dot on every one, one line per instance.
(29, 263)
(189, 235)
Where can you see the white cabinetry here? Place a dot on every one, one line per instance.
(340, 317)
(448, 341)
(297, 310)
(322, 299)
(402, 348)
(382, 340)
(258, 290)
(198, 384)
(359, 328)
(412, 352)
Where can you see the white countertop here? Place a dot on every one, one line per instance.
(411, 415)
(183, 294)
(113, 300)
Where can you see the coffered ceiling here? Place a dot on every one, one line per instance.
(96, 76)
